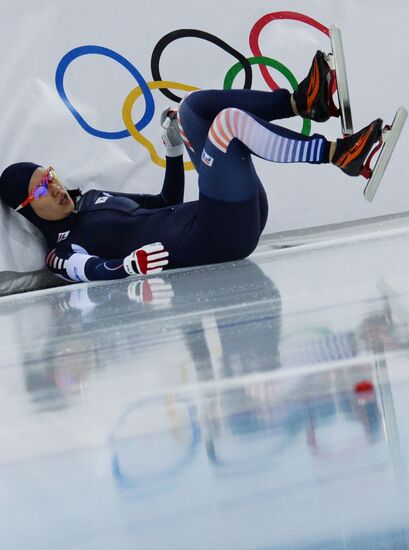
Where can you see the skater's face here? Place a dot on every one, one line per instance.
(56, 204)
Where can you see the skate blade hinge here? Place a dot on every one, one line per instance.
(390, 136)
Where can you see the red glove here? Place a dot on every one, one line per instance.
(148, 259)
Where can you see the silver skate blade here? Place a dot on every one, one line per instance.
(342, 81)
(390, 138)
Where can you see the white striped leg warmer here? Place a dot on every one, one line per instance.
(233, 123)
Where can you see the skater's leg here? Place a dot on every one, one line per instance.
(198, 110)
(267, 105)
(312, 99)
(229, 223)
(351, 154)
(231, 194)
(264, 139)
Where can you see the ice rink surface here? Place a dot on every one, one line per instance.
(262, 404)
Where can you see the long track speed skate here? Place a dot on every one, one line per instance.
(354, 154)
(336, 62)
(387, 143)
(390, 134)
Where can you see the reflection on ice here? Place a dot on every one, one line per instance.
(258, 404)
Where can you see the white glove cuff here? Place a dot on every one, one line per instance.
(175, 151)
(128, 264)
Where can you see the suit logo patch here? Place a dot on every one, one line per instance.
(62, 236)
(207, 159)
(101, 200)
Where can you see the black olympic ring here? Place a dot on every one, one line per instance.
(194, 33)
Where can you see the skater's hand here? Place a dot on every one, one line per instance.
(170, 133)
(151, 258)
(155, 292)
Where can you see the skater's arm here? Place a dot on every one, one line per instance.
(73, 263)
(174, 182)
(173, 187)
(172, 190)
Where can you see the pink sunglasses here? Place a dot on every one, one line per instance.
(40, 190)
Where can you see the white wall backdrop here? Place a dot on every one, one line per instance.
(36, 125)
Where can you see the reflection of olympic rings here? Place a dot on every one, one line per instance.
(85, 50)
(194, 33)
(263, 21)
(234, 71)
(145, 88)
(127, 117)
(171, 471)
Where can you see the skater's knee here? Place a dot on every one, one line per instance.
(226, 120)
(225, 128)
(202, 103)
(189, 111)
(195, 100)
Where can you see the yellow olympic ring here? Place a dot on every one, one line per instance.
(127, 118)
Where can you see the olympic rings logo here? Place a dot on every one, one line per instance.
(165, 86)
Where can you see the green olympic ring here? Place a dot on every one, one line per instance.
(261, 60)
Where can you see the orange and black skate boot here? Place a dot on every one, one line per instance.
(313, 97)
(351, 152)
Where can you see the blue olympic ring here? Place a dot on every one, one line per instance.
(85, 50)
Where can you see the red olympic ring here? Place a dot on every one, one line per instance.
(263, 22)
